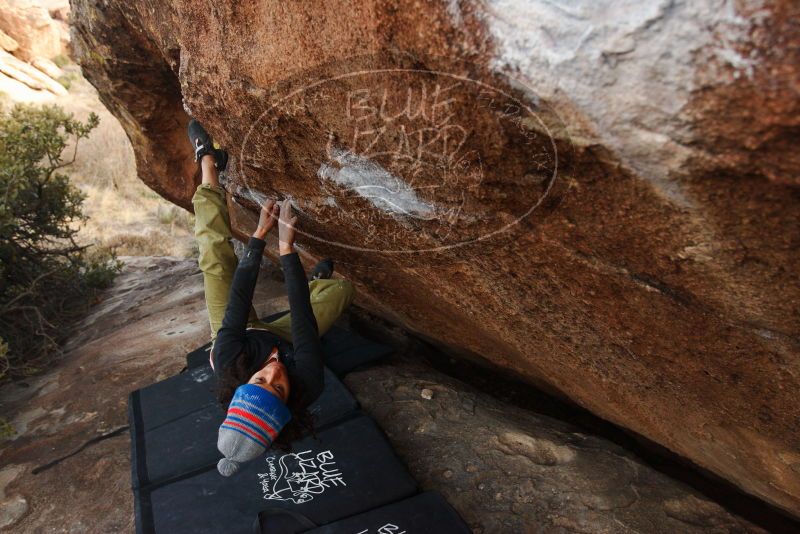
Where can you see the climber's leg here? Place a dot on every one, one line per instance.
(212, 229)
(329, 298)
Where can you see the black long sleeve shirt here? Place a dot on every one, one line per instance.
(302, 357)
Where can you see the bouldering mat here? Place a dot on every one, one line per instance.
(172, 398)
(191, 390)
(199, 356)
(188, 443)
(423, 513)
(348, 469)
(344, 351)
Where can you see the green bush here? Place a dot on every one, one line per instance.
(67, 79)
(61, 61)
(47, 279)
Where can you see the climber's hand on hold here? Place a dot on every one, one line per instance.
(286, 228)
(267, 219)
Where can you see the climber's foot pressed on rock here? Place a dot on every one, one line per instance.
(323, 270)
(203, 145)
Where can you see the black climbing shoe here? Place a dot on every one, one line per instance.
(202, 144)
(201, 141)
(323, 270)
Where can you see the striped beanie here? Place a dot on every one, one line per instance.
(255, 418)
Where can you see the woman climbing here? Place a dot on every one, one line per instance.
(268, 373)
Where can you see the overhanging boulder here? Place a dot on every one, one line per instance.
(602, 199)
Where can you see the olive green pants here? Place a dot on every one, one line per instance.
(212, 228)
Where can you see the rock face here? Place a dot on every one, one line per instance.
(32, 31)
(35, 26)
(601, 197)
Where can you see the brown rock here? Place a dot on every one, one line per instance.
(10, 66)
(58, 9)
(7, 42)
(634, 183)
(29, 23)
(12, 507)
(47, 67)
(28, 74)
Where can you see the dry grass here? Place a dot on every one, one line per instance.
(123, 212)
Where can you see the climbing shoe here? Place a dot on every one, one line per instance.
(202, 144)
(323, 270)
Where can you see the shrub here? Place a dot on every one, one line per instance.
(67, 80)
(47, 279)
(61, 61)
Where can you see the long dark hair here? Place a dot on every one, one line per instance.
(239, 372)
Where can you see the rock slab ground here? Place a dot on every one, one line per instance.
(504, 469)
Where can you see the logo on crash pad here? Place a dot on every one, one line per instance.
(299, 477)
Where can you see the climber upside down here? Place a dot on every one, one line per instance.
(267, 373)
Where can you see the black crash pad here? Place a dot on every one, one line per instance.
(189, 442)
(344, 351)
(172, 398)
(191, 390)
(426, 512)
(423, 513)
(349, 469)
(199, 356)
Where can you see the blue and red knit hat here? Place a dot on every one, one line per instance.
(255, 418)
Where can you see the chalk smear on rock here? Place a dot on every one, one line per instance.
(371, 181)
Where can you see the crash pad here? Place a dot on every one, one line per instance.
(346, 351)
(192, 390)
(426, 512)
(172, 398)
(188, 443)
(348, 469)
(199, 356)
